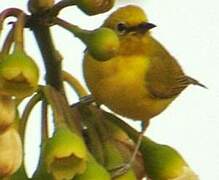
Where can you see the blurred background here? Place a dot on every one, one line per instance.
(189, 30)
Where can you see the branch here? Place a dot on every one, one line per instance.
(51, 58)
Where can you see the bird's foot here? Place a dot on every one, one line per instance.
(87, 99)
(120, 170)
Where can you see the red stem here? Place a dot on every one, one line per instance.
(18, 34)
(9, 12)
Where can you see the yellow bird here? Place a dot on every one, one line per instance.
(143, 78)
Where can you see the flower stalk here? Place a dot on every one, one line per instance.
(9, 12)
(8, 42)
(75, 84)
(26, 113)
(18, 33)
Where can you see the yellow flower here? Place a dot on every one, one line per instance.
(10, 152)
(65, 154)
(7, 112)
(94, 171)
(19, 75)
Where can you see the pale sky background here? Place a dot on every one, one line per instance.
(189, 30)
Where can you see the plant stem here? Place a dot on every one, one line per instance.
(93, 136)
(75, 84)
(70, 119)
(30, 105)
(8, 41)
(51, 96)
(61, 110)
(44, 123)
(9, 12)
(18, 33)
(132, 133)
(52, 60)
(77, 31)
(61, 5)
(96, 117)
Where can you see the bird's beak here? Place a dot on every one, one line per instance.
(145, 27)
(141, 28)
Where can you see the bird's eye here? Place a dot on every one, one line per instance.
(121, 28)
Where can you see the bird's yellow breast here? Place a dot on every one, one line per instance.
(120, 84)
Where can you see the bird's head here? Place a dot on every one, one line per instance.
(130, 19)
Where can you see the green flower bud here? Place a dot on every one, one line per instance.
(41, 171)
(93, 7)
(114, 159)
(94, 171)
(164, 162)
(102, 43)
(160, 161)
(7, 112)
(65, 154)
(10, 152)
(187, 174)
(35, 6)
(129, 175)
(126, 146)
(18, 75)
(20, 174)
(1, 56)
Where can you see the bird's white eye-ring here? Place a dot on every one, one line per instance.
(121, 28)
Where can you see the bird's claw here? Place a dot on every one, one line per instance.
(87, 99)
(120, 170)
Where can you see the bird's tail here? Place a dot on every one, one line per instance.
(195, 82)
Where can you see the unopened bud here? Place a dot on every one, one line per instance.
(160, 161)
(164, 162)
(93, 7)
(187, 174)
(39, 5)
(103, 44)
(115, 159)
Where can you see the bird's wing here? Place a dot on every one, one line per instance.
(165, 78)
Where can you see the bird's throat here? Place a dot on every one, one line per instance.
(132, 44)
